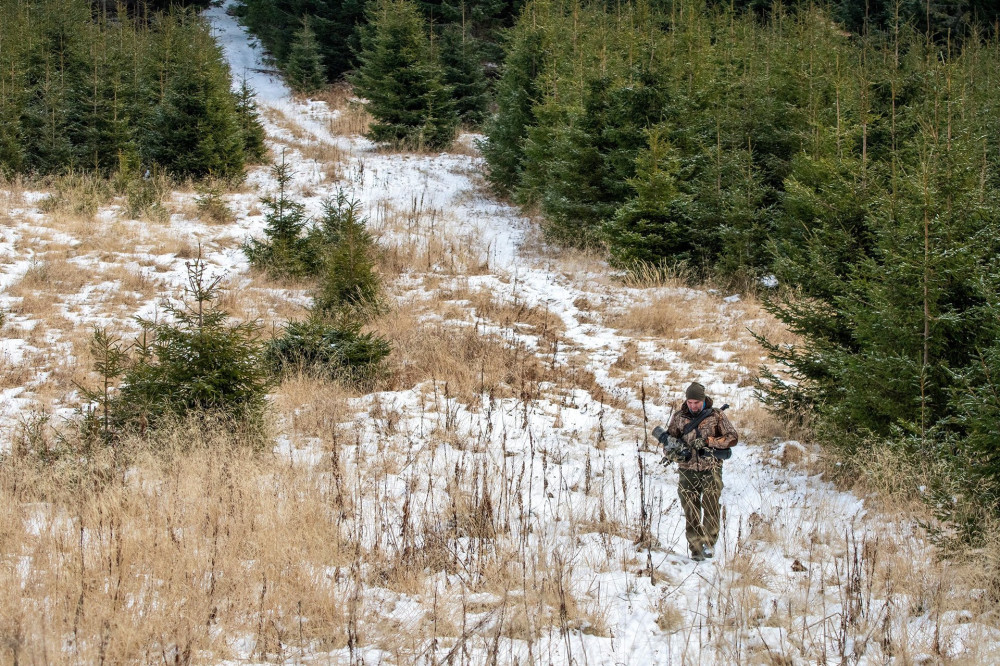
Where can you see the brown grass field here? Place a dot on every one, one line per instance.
(495, 500)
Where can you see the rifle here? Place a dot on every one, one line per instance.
(675, 449)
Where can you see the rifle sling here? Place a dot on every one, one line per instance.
(705, 413)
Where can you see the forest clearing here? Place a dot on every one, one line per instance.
(493, 497)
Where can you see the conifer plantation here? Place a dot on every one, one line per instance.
(402, 78)
(82, 88)
(859, 167)
(466, 38)
(366, 368)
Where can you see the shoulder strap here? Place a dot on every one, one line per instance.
(705, 413)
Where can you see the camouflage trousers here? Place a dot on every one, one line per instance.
(699, 493)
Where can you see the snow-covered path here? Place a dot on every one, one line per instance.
(789, 538)
(500, 502)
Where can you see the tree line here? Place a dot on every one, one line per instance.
(857, 170)
(118, 91)
(462, 37)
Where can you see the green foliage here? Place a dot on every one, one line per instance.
(285, 251)
(976, 401)
(655, 227)
(401, 76)
(304, 68)
(339, 253)
(87, 90)
(517, 93)
(580, 171)
(194, 362)
(335, 351)
(337, 250)
(463, 73)
(890, 236)
(195, 130)
(278, 24)
(470, 32)
(348, 283)
(254, 148)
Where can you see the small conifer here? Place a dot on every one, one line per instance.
(253, 132)
(402, 78)
(304, 68)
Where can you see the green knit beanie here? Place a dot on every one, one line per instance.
(695, 392)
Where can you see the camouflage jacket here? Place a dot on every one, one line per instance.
(716, 430)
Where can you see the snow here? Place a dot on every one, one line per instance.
(788, 536)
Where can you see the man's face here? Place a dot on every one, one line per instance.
(695, 406)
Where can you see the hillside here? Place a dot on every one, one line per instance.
(496, 501)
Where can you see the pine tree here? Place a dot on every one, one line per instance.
(106, 126)
(332, 350)
(254, 147)
(401, 77)
(348, 280)
(304, 68)
(463, 73)
(13, 87)
(195, 130)
(277, 23)
(655, 227)
(55, 70)
(285, 252)
(518, 91)
(581, 171)
(197, 362)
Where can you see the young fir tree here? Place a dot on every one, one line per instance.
(333, 350)
(517, 93)
(333, 22)
(14, 30)
(895, 259)
(195, 130)
(285, 252)
(107, 125)
(463, 73)
(254, 147)
(195, 363)
(581, 169)
(55, 68)
(304, 67)
(348, 280)
(654, 227)
(400, 75)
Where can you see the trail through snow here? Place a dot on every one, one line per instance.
(787, 536)
(788, 583)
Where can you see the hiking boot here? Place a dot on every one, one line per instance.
(697, 555)
(708, 551)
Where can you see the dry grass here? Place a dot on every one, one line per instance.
(417, 238)
(173, 554)
(352, 119)
(469, 362)
(666, 316)
(518, 316)
(464, 144)
(203, 542)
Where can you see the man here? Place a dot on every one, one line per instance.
(700, 467)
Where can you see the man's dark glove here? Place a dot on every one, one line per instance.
(700, 447)
(673, 448)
